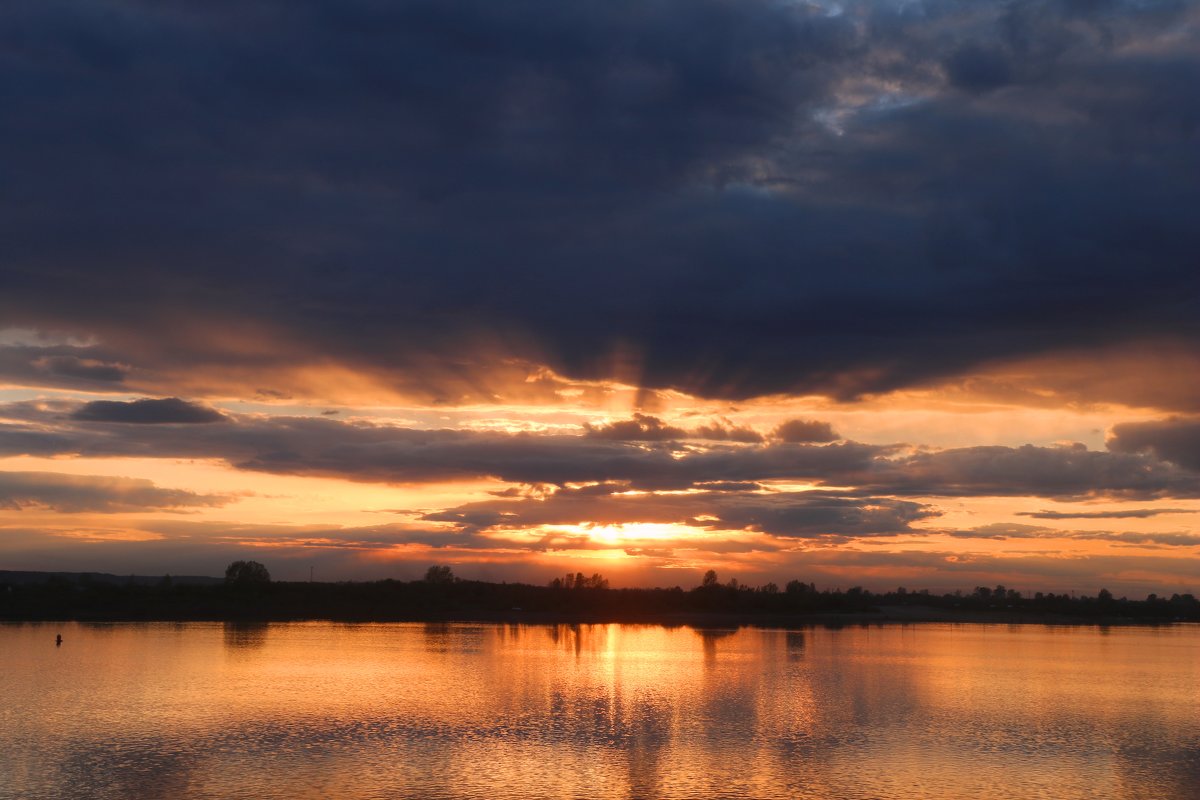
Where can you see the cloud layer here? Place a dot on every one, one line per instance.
(728, 198)
(320, 446)
(95, 493)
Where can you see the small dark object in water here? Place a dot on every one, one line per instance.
(58, 640)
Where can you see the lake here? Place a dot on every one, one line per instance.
(308, 710)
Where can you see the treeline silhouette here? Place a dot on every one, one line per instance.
(248, 593)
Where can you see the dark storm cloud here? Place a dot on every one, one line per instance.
(372, 537)
(358, 451)
(94, 493)
(1161, 539)
(321, 446)
(1004, 530)
(83, 368)
(169, 410)
(642, 428)
(724, 431)
(33, 441)
(1175, 440)
(1064, 473)
(747, 197)
(791, 514)
(977, 68)
(1131, 513)
(805, 430)
(66, 367)
(648, 428)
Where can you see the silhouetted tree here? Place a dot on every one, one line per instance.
(710, 579)
(247, 572)
(439, 573)
(597, 581)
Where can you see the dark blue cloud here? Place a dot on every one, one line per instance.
(787, 514)
(148, 411)
(319, 446)
(95, 493)
(1176, 440)
(752, 196)
(805, 430)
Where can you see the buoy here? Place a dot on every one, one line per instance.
(58, 640)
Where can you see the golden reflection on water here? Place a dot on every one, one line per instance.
(462, 710)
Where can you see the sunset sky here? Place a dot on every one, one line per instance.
(881, 293)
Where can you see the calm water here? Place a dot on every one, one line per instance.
(493, 711)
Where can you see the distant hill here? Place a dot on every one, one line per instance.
(24, 578)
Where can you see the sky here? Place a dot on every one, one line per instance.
(876, 292)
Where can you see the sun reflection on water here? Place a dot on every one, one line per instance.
(473, 710)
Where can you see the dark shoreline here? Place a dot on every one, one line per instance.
(90, 598)
(900, 615)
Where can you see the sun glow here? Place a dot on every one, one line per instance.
(621, 534)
